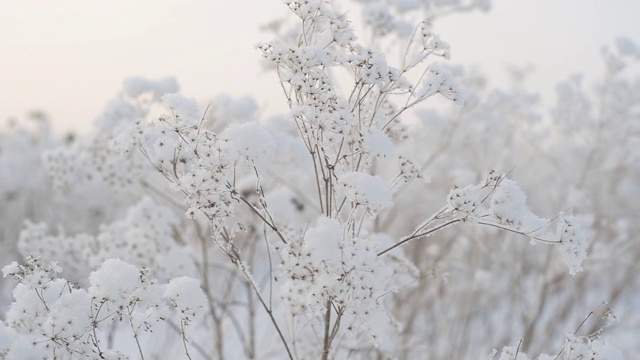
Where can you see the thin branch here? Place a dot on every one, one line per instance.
(416, 236)
(257, 212)
(194, 344)
(327, 326)
(242, 268)
(517, 232)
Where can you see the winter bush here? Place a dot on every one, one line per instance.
(383, 216)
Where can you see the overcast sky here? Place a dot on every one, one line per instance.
(69, 57)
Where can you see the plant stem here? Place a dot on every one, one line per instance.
(327, 324)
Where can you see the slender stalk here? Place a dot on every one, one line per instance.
(265, 220)
(502, 227)
(416, 236)
(184, 340)
(327, 326)
(195, 345)
(269, 311)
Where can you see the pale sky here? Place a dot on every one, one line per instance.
(69, 57)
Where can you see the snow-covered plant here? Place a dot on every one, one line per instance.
(53, 319)
(576, 347)
(143, 238)
(333, 273)
(362, 223)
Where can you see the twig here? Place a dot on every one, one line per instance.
(416, 236)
